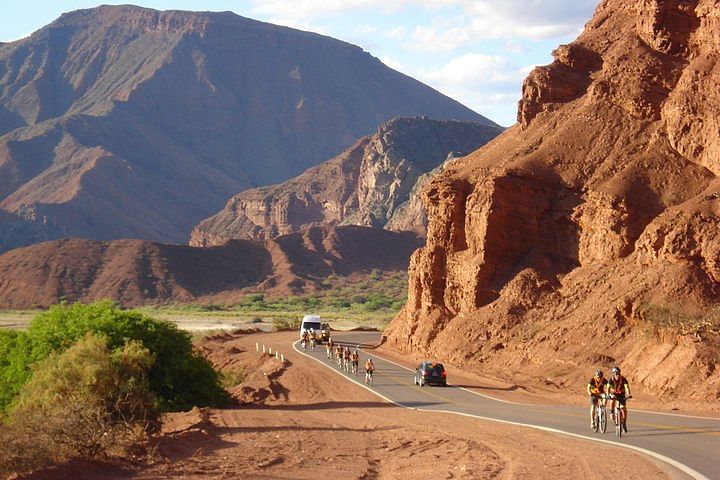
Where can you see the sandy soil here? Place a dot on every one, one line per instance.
(301, 422)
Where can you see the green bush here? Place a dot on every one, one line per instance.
(282, 324)
(180, 377)
(86, 401)
(15, 351)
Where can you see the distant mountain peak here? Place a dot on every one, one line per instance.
(123, 121)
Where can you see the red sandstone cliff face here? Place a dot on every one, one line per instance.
(588, 234)
(373, 183)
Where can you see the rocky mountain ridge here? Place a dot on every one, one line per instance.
(136, 272)
(369, 184)
(121, 121)
(587, 235)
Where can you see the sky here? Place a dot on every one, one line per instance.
(475, 51)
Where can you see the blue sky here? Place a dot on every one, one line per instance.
(475, 51)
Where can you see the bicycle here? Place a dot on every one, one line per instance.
(600, 417)
(369, 377)
(619, 416)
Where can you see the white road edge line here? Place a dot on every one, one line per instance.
(538, 405)
(680, 466)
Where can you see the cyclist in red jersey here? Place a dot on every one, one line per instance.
(618, 390)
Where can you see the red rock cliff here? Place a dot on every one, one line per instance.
(588, 234)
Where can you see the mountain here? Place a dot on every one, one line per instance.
(588, 234)
(137, 272)
(122, 121)
(371, 184)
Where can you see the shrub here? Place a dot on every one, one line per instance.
(180, 377)
(232, 377)
(282, 324)
(86, 401)
(15, 351)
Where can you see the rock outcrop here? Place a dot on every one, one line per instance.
(136, 272)
(122, 121)
(370, 184)
(589, 233)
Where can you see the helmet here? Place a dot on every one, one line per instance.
(616, 370)
(598, 373)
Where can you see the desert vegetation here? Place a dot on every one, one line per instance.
(370, 300)
(90, 381)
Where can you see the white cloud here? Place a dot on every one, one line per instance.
(490, 85)
(397, 33)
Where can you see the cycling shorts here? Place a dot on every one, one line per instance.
(595, 396)
(619, 398)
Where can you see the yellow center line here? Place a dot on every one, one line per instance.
(560, 414)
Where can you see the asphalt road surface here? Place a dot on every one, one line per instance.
(690, 445)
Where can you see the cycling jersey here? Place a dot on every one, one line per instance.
(597, 385)
(369, 367)
(617, 387)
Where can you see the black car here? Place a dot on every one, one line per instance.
(430, 373)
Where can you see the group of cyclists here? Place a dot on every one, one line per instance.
(309, 337)
(599, 388)
(617, 390)
(349, 360)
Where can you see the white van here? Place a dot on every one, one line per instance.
(310, 322)
(322, 329)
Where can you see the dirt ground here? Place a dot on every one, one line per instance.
(297, 421)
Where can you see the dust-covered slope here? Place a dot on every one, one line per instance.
(122, 121)
(587, 235)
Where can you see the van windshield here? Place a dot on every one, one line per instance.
(309, 325)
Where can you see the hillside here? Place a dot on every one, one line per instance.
(122, 121)
(135, 272)
(373, 183)
(587, 235)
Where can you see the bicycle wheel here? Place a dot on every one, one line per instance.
(596, 419)
(602, 420)
(618, 422)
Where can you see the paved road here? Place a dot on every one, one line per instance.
(690, 444)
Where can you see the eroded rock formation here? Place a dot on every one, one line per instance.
(589, 233)
(370, 184)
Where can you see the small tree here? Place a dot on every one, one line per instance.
(86, 401)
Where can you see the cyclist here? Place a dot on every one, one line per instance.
(329, 348)
(346, 359)
(618, 390)
(313, 339)
(339, 356)
(304, 340)
(369, 370)
(596, 391)
(355, 357)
